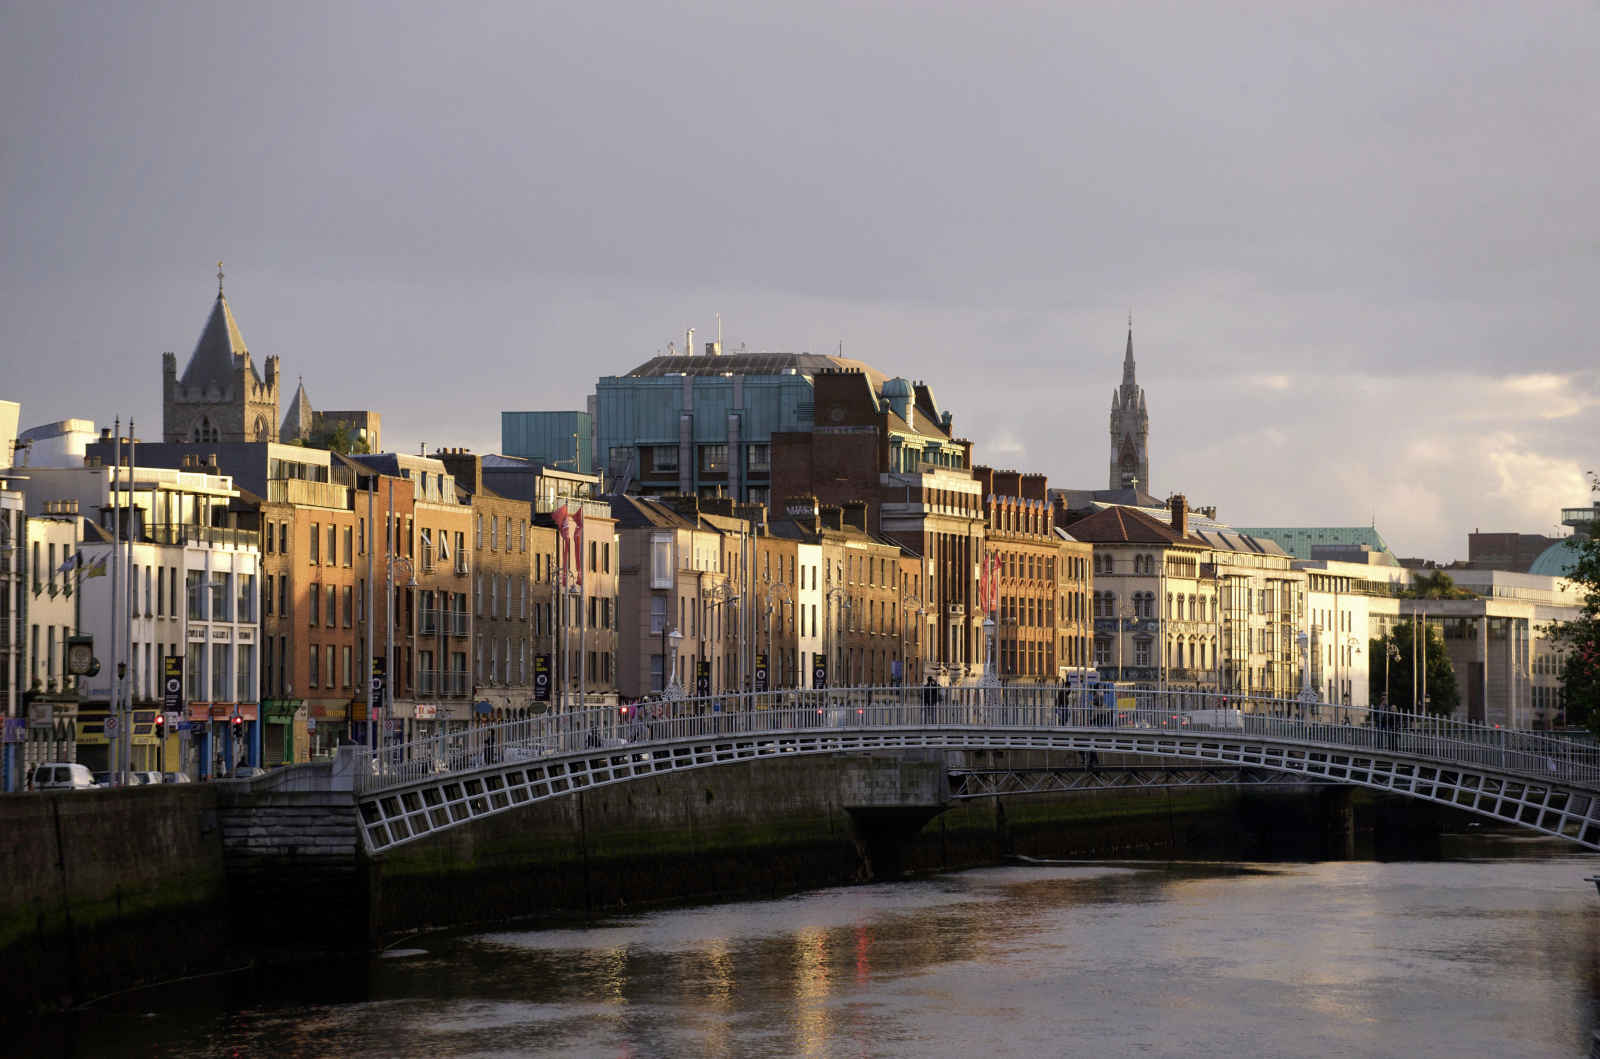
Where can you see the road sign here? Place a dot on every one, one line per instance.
(702, 677)
(170, 718)
(111, 724)
(311, 724)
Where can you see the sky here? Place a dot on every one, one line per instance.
(1357, 240)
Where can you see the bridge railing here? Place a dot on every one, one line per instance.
(632, 729)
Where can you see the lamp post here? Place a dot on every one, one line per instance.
(1391, 653)
(718, 596)
(672, 689)
(777, 591)
(909, 605)
(388, 590)
(1350, 696)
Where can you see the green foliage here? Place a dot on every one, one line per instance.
(1580, 671)
(1443, 694)
(1435, 585)
(338, 439)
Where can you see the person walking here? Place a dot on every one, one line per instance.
(1063, 702)
(930, 700)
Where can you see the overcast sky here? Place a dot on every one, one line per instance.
(1359, 241)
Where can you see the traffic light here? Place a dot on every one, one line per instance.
(238, 725)
(161, 725)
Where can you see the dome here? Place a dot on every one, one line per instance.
(897, 393)
(1558, 560)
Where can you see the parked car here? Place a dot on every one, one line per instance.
(175, 777)
(62, 776)
(244, 772)
(149, 777)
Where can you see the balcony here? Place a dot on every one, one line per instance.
(311, 494)
(1577, 516)
(441, 684)
(432, 622)
(186, 533)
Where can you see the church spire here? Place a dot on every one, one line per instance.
(1127, 358)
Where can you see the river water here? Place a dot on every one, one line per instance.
(1494, 952)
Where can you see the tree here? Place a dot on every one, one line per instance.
(1443, 694)
(1435, 585)
(1580, 638)
(336, 438)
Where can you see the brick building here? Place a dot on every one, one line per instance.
(894, 449)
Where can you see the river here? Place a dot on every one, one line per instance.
(1494, 951)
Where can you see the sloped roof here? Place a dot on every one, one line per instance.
(217, 356)
(1128, 525)
(632, 512)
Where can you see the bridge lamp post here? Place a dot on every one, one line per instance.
(1391, 653)
(1349, 698)
(909, 605)
(672, 689)
(719, 596)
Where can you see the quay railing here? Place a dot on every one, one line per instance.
(1010, 709)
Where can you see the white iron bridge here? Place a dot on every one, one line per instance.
(1535, 780)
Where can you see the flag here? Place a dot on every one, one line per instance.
(71, 563)
(577, 537)
(563, 520)
(94, 569)
(989, 584)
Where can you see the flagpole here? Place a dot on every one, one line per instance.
(116, 590)
(127, 603)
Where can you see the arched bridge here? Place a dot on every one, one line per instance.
(1535, 780)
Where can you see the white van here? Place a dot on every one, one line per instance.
(62, 776)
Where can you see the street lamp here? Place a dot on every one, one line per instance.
(776, 591)
(717, 596)
(388, 675)
(674, 690)
(910, 605)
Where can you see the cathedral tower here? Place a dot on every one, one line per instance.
(221, 397)
(1130, 429)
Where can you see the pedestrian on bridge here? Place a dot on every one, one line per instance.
(1063, 704)
(930, 700)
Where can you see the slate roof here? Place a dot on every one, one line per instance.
(1129, 525)
(217, 356)
(755, 364)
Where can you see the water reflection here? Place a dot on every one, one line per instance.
(1469, 957)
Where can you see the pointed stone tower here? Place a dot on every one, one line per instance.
(1130, 428)
(220, 397)
(301, 420)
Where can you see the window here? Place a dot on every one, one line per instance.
(316, 605)
(758, 457)
(713, 459)
(349, 545)
(283, 538)
(314, 666)
(348, 610)
(221, 671)
(267, 596)
(494, 533)
(283, 596)
(246, 683)
(247, 591)
(344, 665)
(664, 457)
(329, 670)
(316, 542)
(161, 591)
(196, 607)
(477, 538)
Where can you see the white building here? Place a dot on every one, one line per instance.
(1348, 604)
(191, 590)
(808, 596)
(13, 677)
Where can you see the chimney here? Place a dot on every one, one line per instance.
(854, 514)
(803, 510)
(830, 516)
(1180, 514)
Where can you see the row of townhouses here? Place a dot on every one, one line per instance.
(266, 589)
